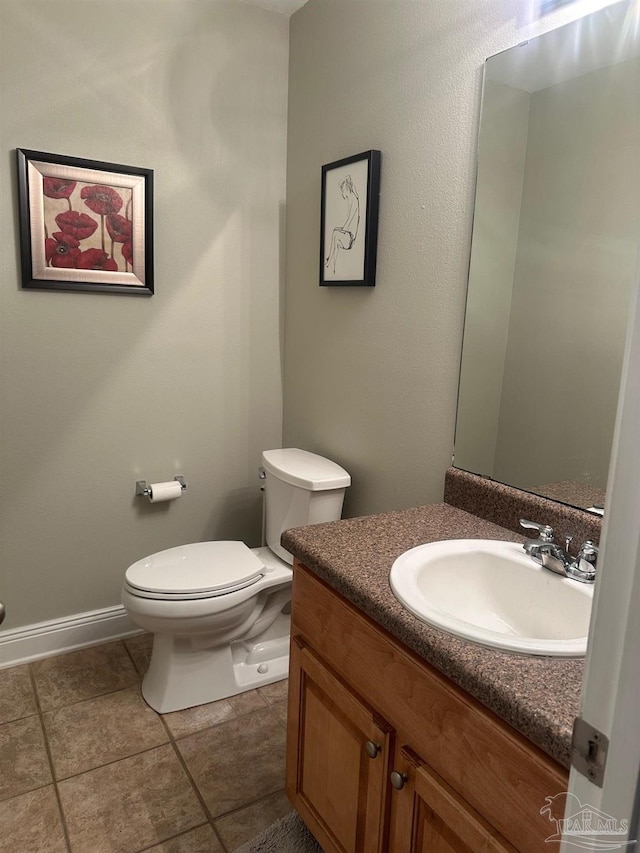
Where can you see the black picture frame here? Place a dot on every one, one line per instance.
(85, 225)
(349, 207)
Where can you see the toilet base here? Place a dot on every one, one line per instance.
(181, 676)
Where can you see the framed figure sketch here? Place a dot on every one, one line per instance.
(349, 220)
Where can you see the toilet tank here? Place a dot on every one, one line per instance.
(300, 488)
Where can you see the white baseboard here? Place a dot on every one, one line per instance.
(44, 639)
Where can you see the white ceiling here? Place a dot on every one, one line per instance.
(284, 7)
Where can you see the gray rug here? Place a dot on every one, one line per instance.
(287, 835)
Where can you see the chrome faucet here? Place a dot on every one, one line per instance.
(557, 559)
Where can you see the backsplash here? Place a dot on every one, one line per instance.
(505, 506)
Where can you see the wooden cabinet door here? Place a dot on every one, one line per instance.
(428, 816)
(337, 758)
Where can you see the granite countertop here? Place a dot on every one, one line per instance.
(537, 696)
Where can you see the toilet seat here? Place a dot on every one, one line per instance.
(195, 571)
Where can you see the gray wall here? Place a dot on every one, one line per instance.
(503, 148)
(576, 262)
(371, 375)
(100, 390)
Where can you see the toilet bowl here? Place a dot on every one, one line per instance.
(219, 611)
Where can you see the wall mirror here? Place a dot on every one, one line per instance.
(554, 258)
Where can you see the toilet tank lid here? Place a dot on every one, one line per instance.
(304, 469)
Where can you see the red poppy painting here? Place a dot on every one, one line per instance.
(85, 224)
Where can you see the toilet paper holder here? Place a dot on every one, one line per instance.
(145, 490)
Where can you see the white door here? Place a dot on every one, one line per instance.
(611, 690)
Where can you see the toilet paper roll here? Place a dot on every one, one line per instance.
(164, 491)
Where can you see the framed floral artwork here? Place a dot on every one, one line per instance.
(85, 224)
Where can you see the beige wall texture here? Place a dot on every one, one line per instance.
(371, 375)
(97, 390)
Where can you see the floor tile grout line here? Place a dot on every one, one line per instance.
(135, 666)
(248, 805)
(90, 698)
(17, 702)
(172, 837)
(18, 719)
(63, 820)
(27, 791)
(282, 723)
(193, 784)
(174, 740)
(171, 736)
(113, 761)
(73, 704)
(209, 819)
(121, 642)
(252, 803)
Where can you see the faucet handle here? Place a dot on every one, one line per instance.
(589, 552)
(585, 565)
(545, 533)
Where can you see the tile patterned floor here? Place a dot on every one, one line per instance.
(88, 767)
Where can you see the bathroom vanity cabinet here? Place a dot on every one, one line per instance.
(386, 754)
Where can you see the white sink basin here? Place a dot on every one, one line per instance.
(494, 594)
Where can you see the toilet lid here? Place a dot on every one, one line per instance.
(200, 569)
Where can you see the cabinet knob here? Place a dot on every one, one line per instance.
(372, 749)
(398, 780)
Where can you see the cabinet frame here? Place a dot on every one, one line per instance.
(429, 815)
(362, 824)
(503, 777)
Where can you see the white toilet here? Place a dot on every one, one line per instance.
(219, 611)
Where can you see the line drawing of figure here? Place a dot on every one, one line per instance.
(344, 236)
